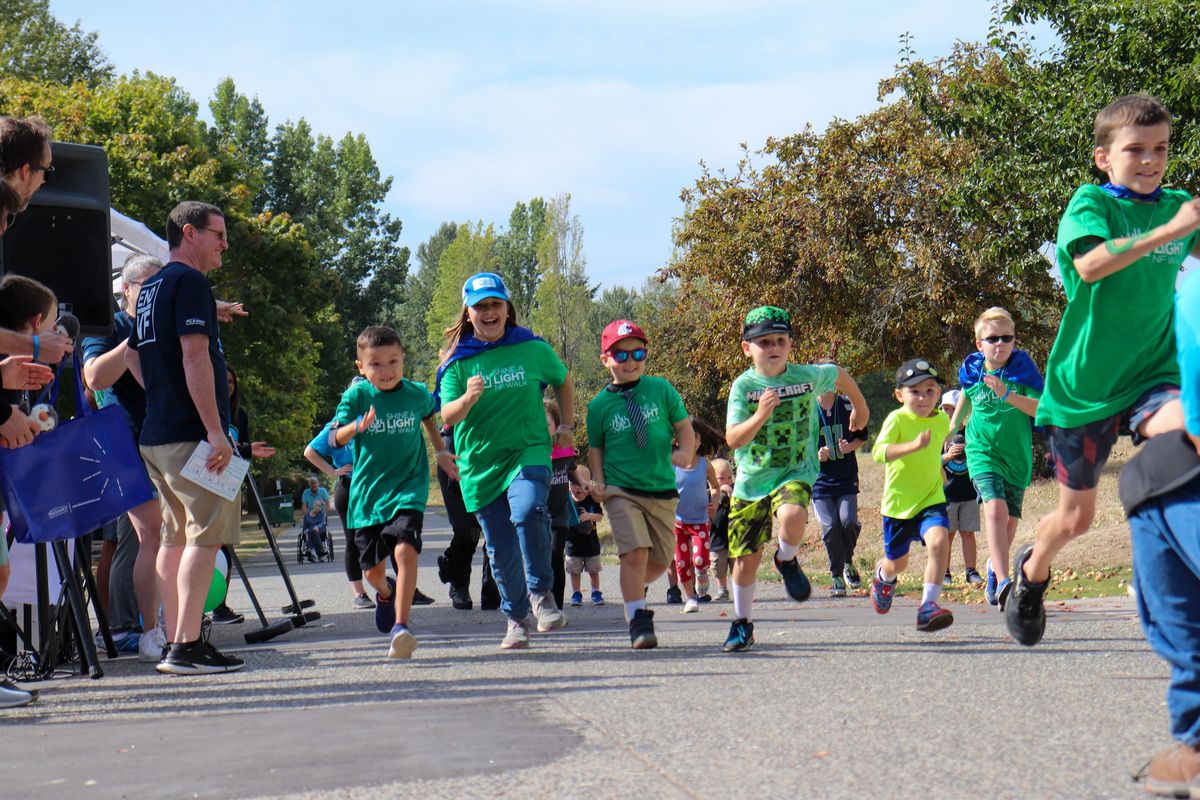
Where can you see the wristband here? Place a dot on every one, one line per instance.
(1007, 392)
(565, 426)
(37, 347)
(358, 424)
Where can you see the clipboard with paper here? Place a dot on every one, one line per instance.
(227, 484)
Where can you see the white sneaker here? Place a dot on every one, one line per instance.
(722, 594)
(691, 606)
(12, 697)
(150, 646)
(517, 636)
(549, 615)
(403, 643)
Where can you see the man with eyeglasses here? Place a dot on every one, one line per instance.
(175, 347)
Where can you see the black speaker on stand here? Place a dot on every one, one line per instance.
(63, 239)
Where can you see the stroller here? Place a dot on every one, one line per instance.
(314, 543)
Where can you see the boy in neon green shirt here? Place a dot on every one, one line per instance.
(914, 504)
(1113, 365)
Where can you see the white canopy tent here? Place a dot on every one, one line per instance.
(130, 236)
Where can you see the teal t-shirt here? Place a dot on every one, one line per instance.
(912, 483)
(785, 447)
(505, 430)
(1000, 436)
(626, 465)
(391, 467)
(1117, 337)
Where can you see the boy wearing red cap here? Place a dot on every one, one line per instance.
(632, 426)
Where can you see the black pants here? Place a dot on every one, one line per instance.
(558, 555)
(454, 566)
(341, 499)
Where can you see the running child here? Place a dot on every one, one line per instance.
(632, 426)
(698, 489)
(835, 491)
(772, 426)
(914, 506)
(1113, 365)
(383, 416)
(1001, 387)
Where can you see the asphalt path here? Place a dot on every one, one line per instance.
(833, 701)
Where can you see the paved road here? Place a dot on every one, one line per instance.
(834, 702)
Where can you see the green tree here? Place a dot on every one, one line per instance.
(35, 46)
(420, 361)
(473, 250)
(517, 251)
(240, 127)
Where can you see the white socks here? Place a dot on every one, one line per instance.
(633, 606)
(787, 551)
(931, 593)
(883, 577)
(743, 601)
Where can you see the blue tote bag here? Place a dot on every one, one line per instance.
(73, 479)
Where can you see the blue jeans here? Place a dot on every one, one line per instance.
(516, 527)
(1166, 572)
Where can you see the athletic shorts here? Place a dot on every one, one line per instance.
(963, 516)
(576, 565)
(993, 487)
(639, 521)
(376, 543)
(750, 520)
(899, 534)
(1080, 453)
(192, 515)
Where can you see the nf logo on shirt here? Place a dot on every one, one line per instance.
(620, 422)
(504, 378)
(399, 422)
(145, 312)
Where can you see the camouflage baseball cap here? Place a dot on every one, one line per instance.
(766, 320)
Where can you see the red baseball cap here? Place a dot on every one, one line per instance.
(620, 329)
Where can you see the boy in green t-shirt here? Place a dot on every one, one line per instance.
(914, 504)
(390, 484)
(1113, 367)
(772, 425)
(1001, 387)
(632, 425)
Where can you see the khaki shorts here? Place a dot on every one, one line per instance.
(963, 515)
(576, 565)
(191, 515)
(639, 522)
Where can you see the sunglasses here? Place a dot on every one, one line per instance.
(1006, 338)
(621, 356)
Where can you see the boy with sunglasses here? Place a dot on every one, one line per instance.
(632, 425)
(772, 425)
(1000, 390)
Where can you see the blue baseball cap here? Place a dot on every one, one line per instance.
(481, 286)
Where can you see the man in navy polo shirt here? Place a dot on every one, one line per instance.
(175, 346)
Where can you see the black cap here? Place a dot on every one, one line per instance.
(914, 371)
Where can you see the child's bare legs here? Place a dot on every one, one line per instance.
(672, 575)
(1073, 516)
(937, 542)
(637, 570)
(949, 550)
(376, 578)
(722, 570)
(594, 577)
(575, 581)
(890, 569)
(970, 550)
(406, 580)
(996, 524)
(792, 521)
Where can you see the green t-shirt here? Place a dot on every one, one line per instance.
(785, 447)
(506, 429)
(1117, 337)
(912, 483)
(649, 468)
(1000, 435)
(391, 467)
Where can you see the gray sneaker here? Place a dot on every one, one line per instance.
(838, 587)
(548, 614)
(517, 636)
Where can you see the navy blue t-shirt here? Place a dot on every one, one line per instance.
(129, 393)
(839, 475)
(176, 302)
(957, 485)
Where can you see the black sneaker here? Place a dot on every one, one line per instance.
(794, 579)
(460, 597)
(224, 615)
(489, 601)
(421, 599)
(641, 630)
(851, 575)
(674, 596)
(1025, 612)
(198, 658)
(741, 636)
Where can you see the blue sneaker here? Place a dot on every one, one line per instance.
(932, 617)
(881, 595)
(403, 642)
(385, 610)
(597, 597)
(794, 579)
(127, 642)
(576, 599)
(1002, 592)
(741, 636)
(989, 588)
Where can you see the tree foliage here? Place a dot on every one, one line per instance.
(35, 46)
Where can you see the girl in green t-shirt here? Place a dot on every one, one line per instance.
(490, 384)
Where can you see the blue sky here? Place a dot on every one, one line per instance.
(474, 106)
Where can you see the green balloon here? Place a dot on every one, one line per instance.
(216, 591)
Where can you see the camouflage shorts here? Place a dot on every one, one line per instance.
(750, 520)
